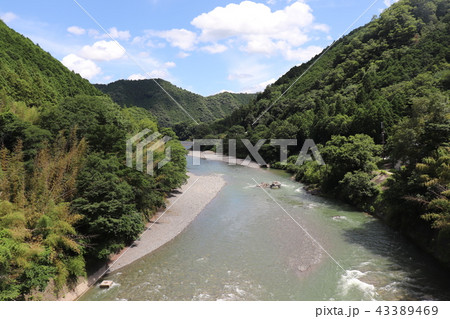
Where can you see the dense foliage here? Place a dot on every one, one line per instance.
(147, 94)
(67, 199)
(38, 237)
(31, 75)
(381, 91)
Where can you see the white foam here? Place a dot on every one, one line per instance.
(115, 284)
(392, 287)
(351, 281)
(338, 218)
(365, 263)
(228, 297)
(240, 292)
(202, 297)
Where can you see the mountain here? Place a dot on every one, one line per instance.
(222, 104)
(67, 198)
(147, 94)
(376, 98)
(367, 77)
(29, 74)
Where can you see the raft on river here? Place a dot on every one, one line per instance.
(106, 284)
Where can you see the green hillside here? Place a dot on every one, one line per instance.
(147, 94)
(394, 73)
(223, 104)
(29, 74)
(67, 199)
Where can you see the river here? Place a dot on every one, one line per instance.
(244, 246)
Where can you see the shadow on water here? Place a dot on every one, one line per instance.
(423, 277)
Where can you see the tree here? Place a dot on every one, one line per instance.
(435, 175)
(358, 189)
(349, 154)
(106, 202)
(98, 119)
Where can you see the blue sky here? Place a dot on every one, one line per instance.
(206, 46)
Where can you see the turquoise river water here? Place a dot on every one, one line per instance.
(243, 246)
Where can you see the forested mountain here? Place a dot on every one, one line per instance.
(67, 199)
(147, 94)
(33, 76)
(386, 81)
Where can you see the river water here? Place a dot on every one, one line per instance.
(244, 246)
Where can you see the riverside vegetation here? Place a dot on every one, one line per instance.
(67, 200)
(386, 81)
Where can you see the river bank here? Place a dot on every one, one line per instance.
(181, 209)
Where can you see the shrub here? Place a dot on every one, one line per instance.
(358, 188)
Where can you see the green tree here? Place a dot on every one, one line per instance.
(106, 202)
(349, 154)
(358, 189)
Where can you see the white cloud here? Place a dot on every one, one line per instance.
(148, 62)
(143, 41)
(180, 38)
(103, 51)
(215, 48)
(112, 33)
(183, 55)
(258, 28)
(161, 74)
(93, 33)
(302, 55)
(138, 40)
(249, 74)
(116, 34)
(388, 3)
(250, 27)
(76, 30)
(321, 27)
(135, 77)
(8, 17)
(225, 91)
(170, 64)
(159, 70)
(85, 67)
(250, 18)
(258, 87)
